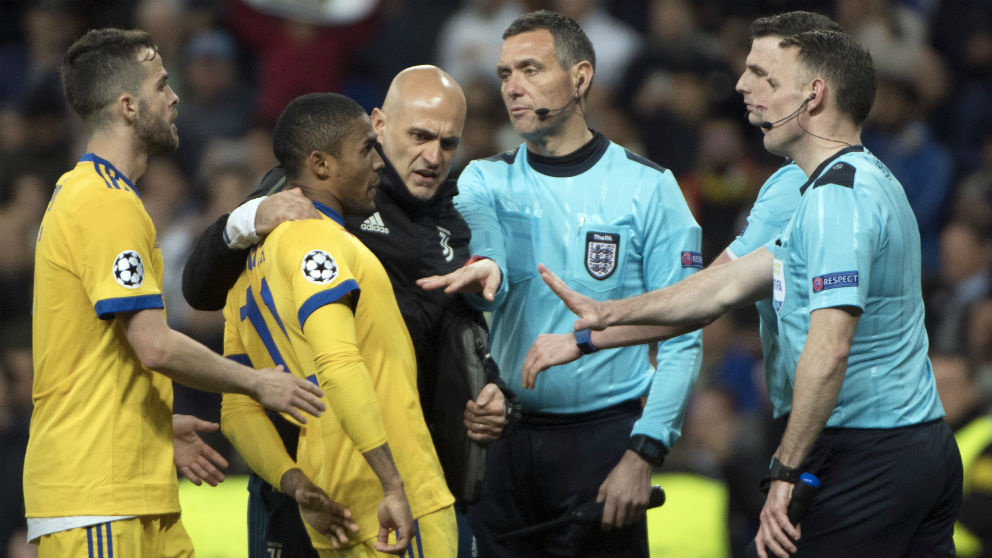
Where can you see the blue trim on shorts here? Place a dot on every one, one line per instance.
(110, 542)
(89, 540)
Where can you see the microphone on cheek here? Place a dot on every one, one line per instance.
(544, 112)
(769, 125)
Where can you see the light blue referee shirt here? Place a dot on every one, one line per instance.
(772, 211)
(611, 224)
(854, 241)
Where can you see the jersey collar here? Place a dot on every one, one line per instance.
(97, 160)
(573, 164)
(828, 161)
(334, 215)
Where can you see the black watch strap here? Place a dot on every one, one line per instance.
(780, 471)
(649, 449)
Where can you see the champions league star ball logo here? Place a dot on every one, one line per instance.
(319, 267)
(129, 271)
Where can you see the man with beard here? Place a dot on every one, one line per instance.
(316, 300)
(98, 473)
(415, 231)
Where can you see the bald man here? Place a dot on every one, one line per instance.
(415, 232)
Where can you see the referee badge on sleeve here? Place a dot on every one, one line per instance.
(602, 250)
(129, 270)
(319, 267)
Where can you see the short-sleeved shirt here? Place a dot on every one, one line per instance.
(300, 267)
(854, 242)
(772, 211)
(610, 223)
(101, 429)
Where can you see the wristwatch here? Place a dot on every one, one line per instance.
(583, 341)
(648, 448)
(780, 471)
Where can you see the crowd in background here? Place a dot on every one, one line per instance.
(663, 87)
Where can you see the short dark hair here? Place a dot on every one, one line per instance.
(790, 23)
(571, 43)
(844, 63)
(101, 65)
(312, 122)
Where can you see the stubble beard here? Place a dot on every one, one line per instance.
(155, 134)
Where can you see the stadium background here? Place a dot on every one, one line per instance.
(663, 87)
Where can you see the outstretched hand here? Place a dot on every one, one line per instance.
(591, 312)
(549, 349)
(196, 460)
(281, 391)
(482, 276)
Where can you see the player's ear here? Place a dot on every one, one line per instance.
(378, 118)
(321, 164)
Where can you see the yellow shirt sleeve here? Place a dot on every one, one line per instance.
(244, 421)
(342, 374)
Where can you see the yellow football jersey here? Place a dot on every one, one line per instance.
(101, 430)
(300, 268)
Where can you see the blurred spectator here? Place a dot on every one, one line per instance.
(406, 35)
(165, 21)
(898, 133)
(216, 102)
(671, 85)
(968, 415)
(297, 51)
(616, 43)
(470, 41)
(722, 183)
(965, 260)
(39, 139)
(486, 118)
(973, 195)
(49, 26)
(964, 32)
(894, 33)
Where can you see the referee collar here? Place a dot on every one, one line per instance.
(573, 164)
(334, 215)
(819, 169)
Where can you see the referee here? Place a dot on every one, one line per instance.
(844, 276)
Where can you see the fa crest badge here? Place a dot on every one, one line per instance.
(602, 253)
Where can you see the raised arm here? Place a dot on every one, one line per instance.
(699, 298)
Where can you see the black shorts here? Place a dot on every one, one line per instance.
(275, 528)
(885, 492)
(541, 469)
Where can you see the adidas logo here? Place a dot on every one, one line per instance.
(374, 224)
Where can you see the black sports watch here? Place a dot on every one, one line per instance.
(584, 342)
(648, 448)
(780, 471)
